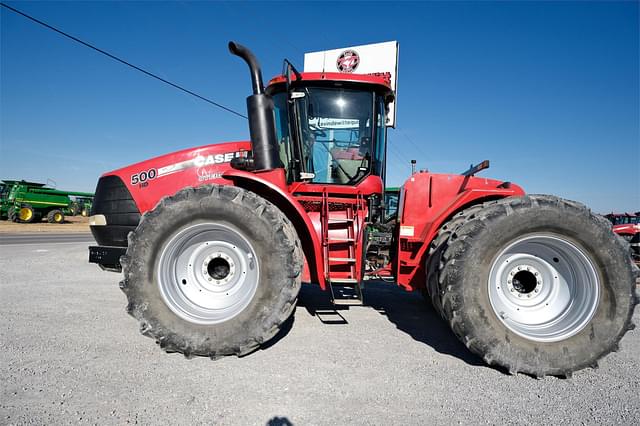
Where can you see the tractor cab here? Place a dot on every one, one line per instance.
(330, 127)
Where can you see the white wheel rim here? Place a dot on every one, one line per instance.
(544, 288)
(208, 273)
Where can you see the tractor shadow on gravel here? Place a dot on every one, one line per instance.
(408, 311)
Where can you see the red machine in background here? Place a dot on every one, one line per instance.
(215, 241)
(627, 225)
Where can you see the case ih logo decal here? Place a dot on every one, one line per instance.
(201, 161)
(348, 61)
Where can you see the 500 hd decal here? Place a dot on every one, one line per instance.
(142, 177)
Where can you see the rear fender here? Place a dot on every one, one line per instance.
(427, 202)
(268, 186)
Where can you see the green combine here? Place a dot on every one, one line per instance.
(26, 202)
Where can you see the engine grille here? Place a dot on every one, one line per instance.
(113, 200)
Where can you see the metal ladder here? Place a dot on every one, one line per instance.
(341, 252)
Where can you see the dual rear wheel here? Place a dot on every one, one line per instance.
(533, 284)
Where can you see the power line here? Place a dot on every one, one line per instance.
(418, 147)
(122, 61)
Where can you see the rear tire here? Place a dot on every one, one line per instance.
(55, 216)
(212, 271)
(574, 279)
(436, 249)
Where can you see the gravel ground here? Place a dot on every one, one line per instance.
(72, 224)
(72, 355)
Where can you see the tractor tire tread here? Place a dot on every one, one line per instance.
(272, 320)
(456, 239)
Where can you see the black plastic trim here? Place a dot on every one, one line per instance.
(114, 201)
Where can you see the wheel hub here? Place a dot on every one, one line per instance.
(524, 281)
(208, 273)
(218, 268)
(25, 213)
(543, 288)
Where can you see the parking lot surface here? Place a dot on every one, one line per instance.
(72, 355)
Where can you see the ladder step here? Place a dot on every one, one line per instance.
(351, 302)
(343, 281)
(341, 240)
(341, 259)
(340, 221)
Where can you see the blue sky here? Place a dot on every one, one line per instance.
(548, 91)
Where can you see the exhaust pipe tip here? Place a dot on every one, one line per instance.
(233, 48)
(254, 66)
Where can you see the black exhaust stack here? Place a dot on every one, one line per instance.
(260, 109)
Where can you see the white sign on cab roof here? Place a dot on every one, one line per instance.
(377, 58)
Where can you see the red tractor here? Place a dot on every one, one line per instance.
(627, 225)
(215, 241)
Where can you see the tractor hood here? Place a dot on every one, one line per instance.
(150, 180)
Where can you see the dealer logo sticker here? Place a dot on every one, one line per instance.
(348, 61)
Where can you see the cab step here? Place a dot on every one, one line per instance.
(346, 291)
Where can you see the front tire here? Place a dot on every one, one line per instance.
(26, 214)
(537, 285)
(12, 215)
(212, 271)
